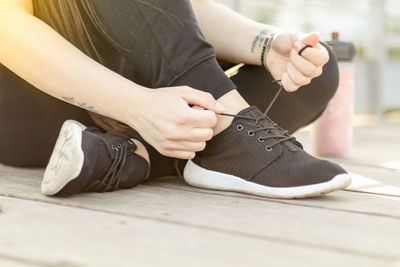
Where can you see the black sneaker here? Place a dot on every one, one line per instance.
(256, 156)
(88, 160)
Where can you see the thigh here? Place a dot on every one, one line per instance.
(162, 44)
(30, 121)
(155, 36)
(291, 110)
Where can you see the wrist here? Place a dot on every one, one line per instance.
(267, 47)
(129, 104)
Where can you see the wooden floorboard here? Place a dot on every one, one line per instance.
(6, 260)
(376, 146)
(64, 236)
(345, 201)
(385, 132)
(286, 222)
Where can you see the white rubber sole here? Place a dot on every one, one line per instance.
(67, 159)
(203, 178)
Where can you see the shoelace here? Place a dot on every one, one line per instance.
(110, 181)
(280, 137)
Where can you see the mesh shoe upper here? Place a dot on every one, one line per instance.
(256, 149)
(109, 164)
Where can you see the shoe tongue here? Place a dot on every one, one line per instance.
(251, 111)
(255, 112)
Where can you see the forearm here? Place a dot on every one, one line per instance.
(236, 38)
(38, 54)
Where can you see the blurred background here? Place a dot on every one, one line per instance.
(372, 25)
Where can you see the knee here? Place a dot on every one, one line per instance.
(315, 96)
(329, 79)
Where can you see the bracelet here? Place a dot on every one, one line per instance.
(267, 47)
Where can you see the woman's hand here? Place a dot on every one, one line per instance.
(172, 120)
(285, 64)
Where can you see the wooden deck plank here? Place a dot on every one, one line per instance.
(13, 261)
(10, 263)
(282, 221)
(27, 183)
(385, 132)
(346, 201)
(380, 174)
(64, 236)
(377, 146)
(374, 180)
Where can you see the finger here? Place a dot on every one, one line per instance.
(304, 48)
(311, 39)
(288, 83)
(296, 76)
(316, 55)
(304, 66)
(198, 107)
(186, 146)
(307, 41)
(202, 99)
(187, 133)
(201, 134)
(317, 72)
(202, 118)
(178, 154)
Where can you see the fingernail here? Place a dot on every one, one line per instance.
(220, 107)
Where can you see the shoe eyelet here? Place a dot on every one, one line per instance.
(269, 149)
(261, 140)
(239, 127)
(250, 133)
(114, 147)
(119, 146)
(130, 142)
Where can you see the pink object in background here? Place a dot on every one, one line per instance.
(332, 132)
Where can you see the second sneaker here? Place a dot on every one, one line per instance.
(88, 160)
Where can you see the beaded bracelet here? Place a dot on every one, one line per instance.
(267, 47)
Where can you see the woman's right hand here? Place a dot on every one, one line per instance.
(176, 121)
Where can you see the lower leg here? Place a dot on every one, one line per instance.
(141, 150)
(178, 57)
(233, 103)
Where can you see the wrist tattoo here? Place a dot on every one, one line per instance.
(83, 105)
(259, 39)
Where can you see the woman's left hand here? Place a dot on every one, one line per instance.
(294, 70)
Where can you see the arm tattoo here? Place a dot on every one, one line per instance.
(258, 41)
(79, 104)
(68, 99)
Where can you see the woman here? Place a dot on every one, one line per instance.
(112, 56)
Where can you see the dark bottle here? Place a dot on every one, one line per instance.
(344, 50)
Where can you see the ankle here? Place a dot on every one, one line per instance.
(233, 103)
(141, 150)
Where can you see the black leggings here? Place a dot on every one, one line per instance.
(157, 44)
